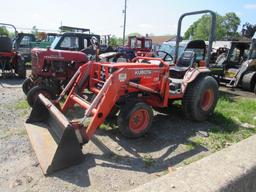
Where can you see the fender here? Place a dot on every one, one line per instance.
(192, 74)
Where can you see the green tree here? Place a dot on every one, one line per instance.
(34, 31)
(231, 22)
(202, 28)
(4, 31)
(248, 30)
(226, 27)
(135, 34)
(115, 41)
(191, 30)
(118, 41)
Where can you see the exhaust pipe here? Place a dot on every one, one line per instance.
(52, 137)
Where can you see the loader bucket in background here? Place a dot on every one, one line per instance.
(52, 137)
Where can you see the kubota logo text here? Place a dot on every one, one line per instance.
(143, 72)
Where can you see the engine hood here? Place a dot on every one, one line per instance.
(60, 54)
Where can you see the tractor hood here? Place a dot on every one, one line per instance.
(41, 56)
(60, 54)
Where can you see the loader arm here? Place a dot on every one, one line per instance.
(109, 95)
(97, 111)
(56, 140)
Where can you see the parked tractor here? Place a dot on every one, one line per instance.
(83, 38)
(25, 42)
(141, 46)
(126, 90)
(167, 50)
(11, 61)
(22, 43)
(137, 46)
(53, 67)
(237, 68)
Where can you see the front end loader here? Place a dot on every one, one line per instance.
(129, 91)
(97, 88)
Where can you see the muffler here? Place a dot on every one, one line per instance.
(52, 137)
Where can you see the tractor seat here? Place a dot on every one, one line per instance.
(5, 44)
(185, 61)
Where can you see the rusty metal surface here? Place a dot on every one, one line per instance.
(52, 137)
(42, 143)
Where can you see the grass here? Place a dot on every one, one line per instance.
(230, 113)
(148, 161)
(105, 126)
(231, 116)
(28, 64)
(23, 107)
(193, 159)
(189, 146)
(108, 125)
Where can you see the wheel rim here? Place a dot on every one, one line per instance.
(139, 120)
(207, 100)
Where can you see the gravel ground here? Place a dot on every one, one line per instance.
(111, 162)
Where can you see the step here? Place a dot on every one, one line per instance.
(177, 81)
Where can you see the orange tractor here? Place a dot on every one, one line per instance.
(128, 90)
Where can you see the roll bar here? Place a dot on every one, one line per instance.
(212, 34)
(6, 24)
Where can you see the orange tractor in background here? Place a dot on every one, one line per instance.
(129, 91)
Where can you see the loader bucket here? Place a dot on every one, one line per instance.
(52, 137)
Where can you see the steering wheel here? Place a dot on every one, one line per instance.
(165, 56)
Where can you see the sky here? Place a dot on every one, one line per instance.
(158, 17)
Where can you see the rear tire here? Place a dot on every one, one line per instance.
(36, 90)
(200, 98)
(27, 85)
(135, 119)
(248, 81)
(21, 68)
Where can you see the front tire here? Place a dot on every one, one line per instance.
(21, 68)
(36, 90)
(27, 85)
(200, 98)
(135, 119)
